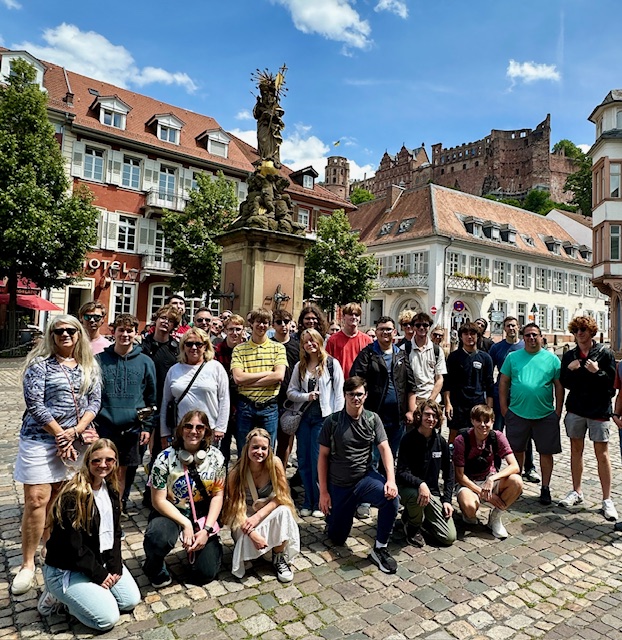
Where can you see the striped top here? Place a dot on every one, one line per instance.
(253, 358)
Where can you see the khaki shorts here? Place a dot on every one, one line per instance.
(480, 484)
(577, 427)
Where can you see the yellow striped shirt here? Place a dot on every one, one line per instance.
(254, 358)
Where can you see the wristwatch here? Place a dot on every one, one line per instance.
(209, 530)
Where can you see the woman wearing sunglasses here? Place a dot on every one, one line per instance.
(62, 392)
(197, 381)
(187, 488)
(83, 568)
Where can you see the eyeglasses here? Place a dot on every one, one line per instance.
(92, 317)
(68, 330)
(198, 345)
(385, 329)
(202, 320)
(234, 329)
(194, 427)
(429, 416)
(98, 461)
(356, 395)
(421, 324)
(531, 335)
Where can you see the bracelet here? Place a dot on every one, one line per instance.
(616, 415)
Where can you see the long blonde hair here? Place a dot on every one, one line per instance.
(234, 512)
(80, 490)
(305, 358)
(208, 353)
(82, 352)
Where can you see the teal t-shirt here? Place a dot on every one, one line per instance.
(531, 376)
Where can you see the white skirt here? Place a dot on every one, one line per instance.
(37, 463)
(278, 528)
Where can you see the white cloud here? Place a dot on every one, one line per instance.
(333, 19)
(358, 172)
(531, 72)
(244, 114)
(91, 54)
(584, 147)
(11, 4)
(248, 135)
(397, 7)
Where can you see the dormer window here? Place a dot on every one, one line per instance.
(307, 181)
(216, 142)
(8, 57)
(112, 111)
(508, 233)
(528, 240)
(553, 245)
(570, 249)
(586, 252)
(304, 177)
(168, 127)
(492, 230)
(474, 226)
(385, 229)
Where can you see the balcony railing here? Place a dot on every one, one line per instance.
(411, 281)
(156, 263)
(464, 283)
(157, 198)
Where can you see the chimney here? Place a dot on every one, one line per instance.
(393, 193)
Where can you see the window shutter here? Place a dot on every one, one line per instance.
(115, 166)
(386, 265)
(529, 277)
(101, 228)
(187, 175)
(486, 267)
(242, 191)
(509, 269)
(408, 263)
(112, 231)
(425, 265)
(77, 160)
(495, 270)
(548, 279)
(565, 283)
(463, 262)
(151, 175)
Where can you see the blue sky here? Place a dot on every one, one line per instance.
(373, 74)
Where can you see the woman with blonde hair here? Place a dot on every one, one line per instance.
(259, 508)
(62, 392)
(198, 381)
(83, 567)
(316, 386)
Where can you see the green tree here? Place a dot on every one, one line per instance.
(580, 183)
(359, 195)
(44, 231)
(570, 149)
(538, 201)
(195, 257)
(337, 270)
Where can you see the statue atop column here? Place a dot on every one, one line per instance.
(267, 206)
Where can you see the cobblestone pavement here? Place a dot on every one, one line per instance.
(558, 575)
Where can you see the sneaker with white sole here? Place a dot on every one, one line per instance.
(282, 568)
(495, 524)
(381, 557)
(48, 604)
(305, 513)
(572, 498)
(23, 581)
(609, 510)
(363, 511)
(316, 513)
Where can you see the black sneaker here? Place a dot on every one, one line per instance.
(413, 535)
(124, 508)
(545, 496)
(381, 557)
(163, 579)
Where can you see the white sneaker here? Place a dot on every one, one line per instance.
(48, 604)
(282, 568)
(495, 524)
(609, 511)
(572, 498)
(317, 513)
(23, 581)
(305, 513)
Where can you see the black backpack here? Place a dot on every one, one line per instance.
(480, 464)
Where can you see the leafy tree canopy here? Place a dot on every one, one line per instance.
(580, 183)
(190, 234)
(359, 195)
(337, 270)
(570, 149)
(45, 231)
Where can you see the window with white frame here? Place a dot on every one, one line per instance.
(559, 282)
(400, 262)
(501, 272)
(307, 181)
(168, 134)
(559, 316)
(478, 266)
(93, 164)
(126, 234)
(192, 306)
(574, 284)
(217, 147)
(167, 183)
(131, 172)
(158, 293)
(614, 242)
(521, 313)
(614, 179)
(543, 279)
(124, 298)
(304, 216)
(419, 263)
(543, 317)
(454, 263)
(521, 276)
(113, 119)
(590, 290)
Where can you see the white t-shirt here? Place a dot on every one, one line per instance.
(106, 525)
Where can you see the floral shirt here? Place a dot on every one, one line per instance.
(48, 397)
(168, 473)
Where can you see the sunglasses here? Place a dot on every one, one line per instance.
(421, 324)
(407, 324)
(281, 322)
(71, 331)
(357, 395)
(194, 427)
(198, 345)
(580, 330)
(531, 335)
(437, 335)
(202, 320)
(90, 317)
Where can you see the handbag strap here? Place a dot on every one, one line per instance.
(194, 473)
(194, 377)
(251, 485)
(73, 393)
(192, 508)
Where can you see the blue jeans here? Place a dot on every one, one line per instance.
(344, 501)
(308, 453)
(395, 432)
(249, 417)
(94, 606)
(162, 535)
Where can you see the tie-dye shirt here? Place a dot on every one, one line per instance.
(168, 473)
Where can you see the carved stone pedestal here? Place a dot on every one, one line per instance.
(266, 269)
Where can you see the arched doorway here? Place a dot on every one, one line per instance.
(411, 303)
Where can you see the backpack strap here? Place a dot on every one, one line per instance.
(330, 362)
(437, 351)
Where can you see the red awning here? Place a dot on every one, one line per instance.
(31, 302)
